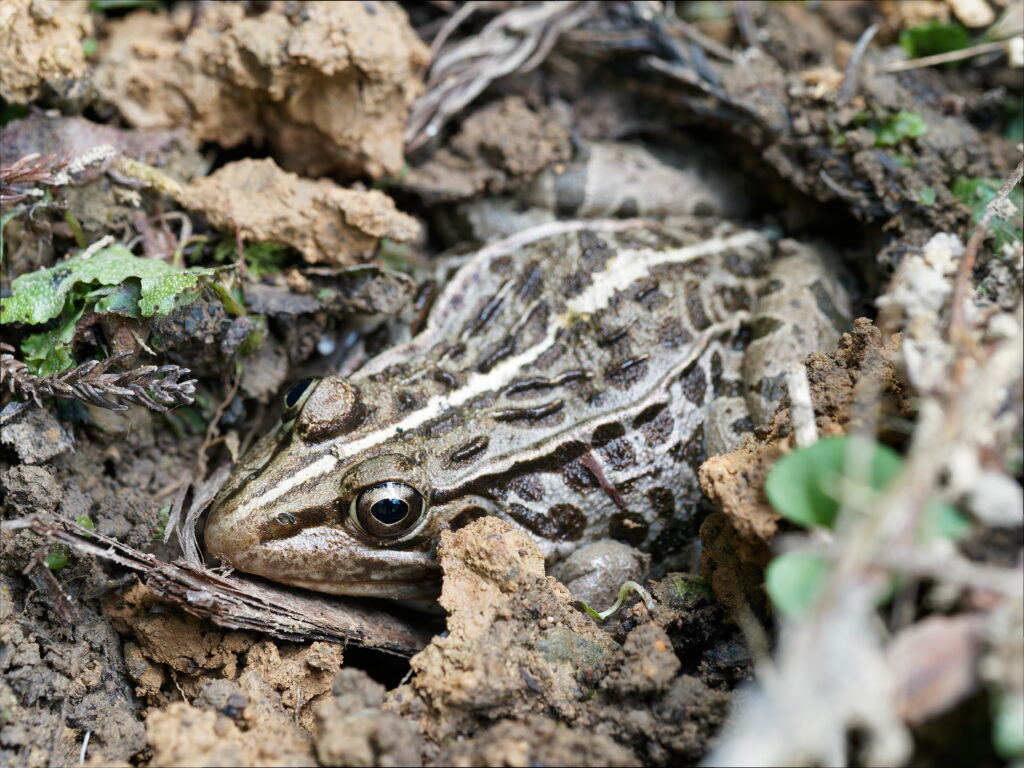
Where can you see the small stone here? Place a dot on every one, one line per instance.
(596, 572)
(36, 435)
(30, 489)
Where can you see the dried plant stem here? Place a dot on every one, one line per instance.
(851, 74)
(156, 387)
(945, 58)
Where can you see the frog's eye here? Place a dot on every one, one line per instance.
(295, 396)
(388, 510)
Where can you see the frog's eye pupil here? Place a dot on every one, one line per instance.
(389, 511)
(295, 392)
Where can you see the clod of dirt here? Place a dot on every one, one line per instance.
(353, 730)
(326, 85)
(325, 222)
(517, 649)
(497, 148)
(594, 573)
(36, 436)
(41, 47)
(186, 736)
(736, 539)
(515, 644)
(649, 664)
(169, 643)
(30, 489)
(535, 741)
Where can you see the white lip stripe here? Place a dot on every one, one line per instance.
(622, 270)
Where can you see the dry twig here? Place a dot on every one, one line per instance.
(851, 74)
(16, 180)
(948, 56)
(156, 387)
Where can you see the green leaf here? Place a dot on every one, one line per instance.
(263, 258)
(977, 193)
(794, 582)
(50, 351)
(943, 521)
(121, 299)
(57, 557)
(933, 37)
(1008, 728)
(926, 196)
(902, 125)
(804, 486)
(41, 295)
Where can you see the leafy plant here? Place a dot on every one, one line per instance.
(894, 129)
(57, 557)
(260, 258)
(977, 193)
(933, 37)
(809, 486)
(111, 280)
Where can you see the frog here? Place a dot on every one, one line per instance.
(570, 378)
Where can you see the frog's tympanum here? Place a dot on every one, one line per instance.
(570, 379)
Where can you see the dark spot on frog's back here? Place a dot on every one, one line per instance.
(746, 266)
(501, 265)
(563, 522)
(578, 477)
(527, 487)
(406, 401)
(663, 502)
(828, 308)
(445, 379)
(442, 425)
(605, 433)
(690, 450)
(629, 527)
(694, 384)
(764, 326)
(618, 454)
(624, 374)
(673, 334)
(734, 298)
(659, 428)
(470, 451)
(528, 288)
(695, 307)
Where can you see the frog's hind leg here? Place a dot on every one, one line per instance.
(803, 308)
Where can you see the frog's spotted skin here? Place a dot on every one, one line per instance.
(571, 379)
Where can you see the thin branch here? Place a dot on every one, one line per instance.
(16, 180)
(945, 58)
(851, 74)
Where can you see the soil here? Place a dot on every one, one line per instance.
(286, 122)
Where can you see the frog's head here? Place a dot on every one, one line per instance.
(317, 504)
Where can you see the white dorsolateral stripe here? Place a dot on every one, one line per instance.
(620, 271)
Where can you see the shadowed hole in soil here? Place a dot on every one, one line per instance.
(386, 668)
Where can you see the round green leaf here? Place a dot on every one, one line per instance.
(804, 486)
(794, 582)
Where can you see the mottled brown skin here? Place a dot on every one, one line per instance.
(564, 381)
